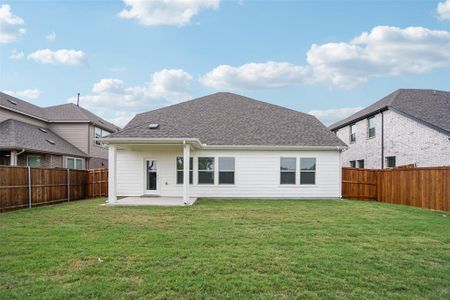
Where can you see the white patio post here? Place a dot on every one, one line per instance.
(112, 182)
(13, 158)
(186, 167)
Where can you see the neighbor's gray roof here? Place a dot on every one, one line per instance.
(71, 112)
(19, 135)
(429, 106)
(65, 112)
(22, 106)
(230, 119)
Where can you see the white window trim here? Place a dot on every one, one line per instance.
(307, 171)
(285, 171)
(176, 171)
(368, 128)
(218, 170)
(213, 171)
(74, 162)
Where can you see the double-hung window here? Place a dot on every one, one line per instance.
(226, 170)
(180, 167)
(287, 170)
(371, 127)
(361, 163)
(206, 170)
(307, 170)
(353, 164)
(34, 161)
(352, 133)
(390, 161)
(99, 133)
(74, 163)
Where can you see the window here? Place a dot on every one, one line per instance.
(287, 170)
(371, 127)
(353, 164)
(34, 161)
(361, 163)
(74, 163)
(100, 133)
(352, 133)
(180, 170)
(307, 170)
(226, 170)
(206, 170)
(390, 161)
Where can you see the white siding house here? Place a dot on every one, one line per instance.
(234, 156)
(408, 127)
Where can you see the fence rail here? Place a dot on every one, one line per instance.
(420, 187)
(22, 187)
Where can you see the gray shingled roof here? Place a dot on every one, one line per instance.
(7, 101)
(71, 112)
(19, 135)
(230, 119)
(429, 106)
(64, 112)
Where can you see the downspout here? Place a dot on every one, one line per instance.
(382, 140)
(20, 152)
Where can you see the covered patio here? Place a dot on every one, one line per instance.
(152, 201)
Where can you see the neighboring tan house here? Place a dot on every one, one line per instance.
(409, 126)
(224, 145)
(60, 136)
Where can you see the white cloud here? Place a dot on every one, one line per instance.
(10, 25)
(30, 94)
(329, 116)
(384, 51)
(255, 76)
(163, 12)
(443, 10)
(51, 37)
(115, 101)
(58, 57)
(17, 55)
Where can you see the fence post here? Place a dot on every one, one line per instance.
(68, 185)
(29, 186)
(93, 183)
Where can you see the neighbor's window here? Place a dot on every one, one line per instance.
(226, 170)
(180, 170)
(352, 133)
(206, 170)
(34, 161)
(361, 163)
(287, 170)
(100, 133)
(74, 163)
(353, 164)
(390, 161)
(307, 170)
(371, 127)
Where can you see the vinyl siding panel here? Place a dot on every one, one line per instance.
(257, 174)
(7, 114)
(74, 133)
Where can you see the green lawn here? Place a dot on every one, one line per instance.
(225, 249)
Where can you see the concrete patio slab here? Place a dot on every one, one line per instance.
(152, 201)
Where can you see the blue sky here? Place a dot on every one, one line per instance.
(126, 57)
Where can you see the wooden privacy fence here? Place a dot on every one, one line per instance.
(22, 187)
(420, 187)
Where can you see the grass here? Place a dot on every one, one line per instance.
(225, 249)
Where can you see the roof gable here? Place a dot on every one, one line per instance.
(429, 106)
(230, 119)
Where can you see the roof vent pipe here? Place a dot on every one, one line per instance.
(78, 100)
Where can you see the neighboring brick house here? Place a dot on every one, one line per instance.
(60, 136)
(409, 126)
